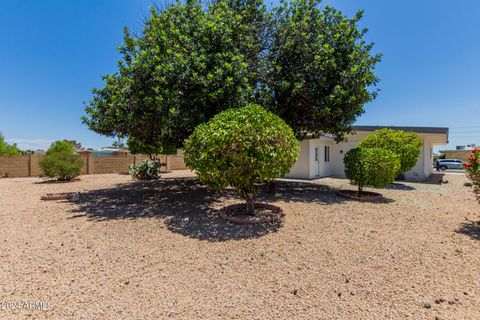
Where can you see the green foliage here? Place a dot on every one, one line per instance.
(8, 149)
(371, 167)
(190, 62)
(407, 145)
(61, 146)
(137, 147)
(320, 68)
(309, 65)
(241, 147)
(146, 170)
(61, 162)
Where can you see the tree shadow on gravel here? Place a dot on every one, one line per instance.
(293, 191)
(187, 206)
(471, 229)
(184, 204)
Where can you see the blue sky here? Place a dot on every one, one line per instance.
(53, 52)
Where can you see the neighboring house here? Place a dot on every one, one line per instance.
(323, 157)
(106, 151)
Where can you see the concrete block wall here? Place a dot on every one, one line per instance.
(458, 154)
(28, 166)
(15, 166)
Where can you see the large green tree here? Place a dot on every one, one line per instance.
(311, 66)
(188, 64)
(321, 68)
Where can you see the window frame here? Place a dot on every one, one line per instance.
(327, 153)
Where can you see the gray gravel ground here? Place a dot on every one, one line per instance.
(157, 250)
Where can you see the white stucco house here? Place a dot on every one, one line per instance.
(323, 157)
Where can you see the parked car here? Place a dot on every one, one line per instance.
(444, 164)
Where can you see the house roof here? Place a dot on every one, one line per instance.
(431, 130)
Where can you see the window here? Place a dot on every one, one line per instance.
(316, 154)
(327, 154)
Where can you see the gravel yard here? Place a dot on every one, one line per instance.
(156, 250)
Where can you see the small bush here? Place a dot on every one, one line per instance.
(146, 170)
(137, 147)
(61, 162)
(472, 169)
(407, 145)
(240, 148)
(371, 167)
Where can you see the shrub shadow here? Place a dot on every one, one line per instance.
(399, 186)
(54, 181)
(294, 191)
(184, 204)
(435, 178)
(383, 200)
(471, 229)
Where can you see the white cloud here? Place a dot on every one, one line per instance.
(31, 144)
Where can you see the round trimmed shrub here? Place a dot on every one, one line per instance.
(371, 167)
(241, 147)
(407, 145)
(60, 162)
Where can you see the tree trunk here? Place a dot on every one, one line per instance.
(250, 203)
(360, 191)
(272, 187)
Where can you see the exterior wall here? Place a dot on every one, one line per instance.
(301, 169)
(28, 166)
(428, 157)
(340, 149)
(424, 166)
(306, 167)
(417, 173)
